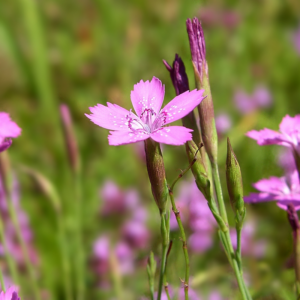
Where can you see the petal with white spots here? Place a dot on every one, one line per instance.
(117, 138)
(148, 95)
(181, 105)
(173, 135)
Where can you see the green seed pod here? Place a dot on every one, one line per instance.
(234, 181)
(202, 177)
(156, 173)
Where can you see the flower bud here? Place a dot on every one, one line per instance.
(70, 139)
(234, 181)
(200, 173)
(181, 85)
(156, 173)
(206, 107)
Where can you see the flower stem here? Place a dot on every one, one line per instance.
(24, 248)
(229, 248)
(79, 261)
(165, 247)
(184, 245)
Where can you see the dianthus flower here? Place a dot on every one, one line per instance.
(10, 294)
(284, 190)
(147, 98)
(8, 130)
(289, 135)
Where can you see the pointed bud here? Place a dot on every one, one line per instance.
(45, 185)
(234, 181)
(206, 107)
(151, 265)
(156, 173)
(70, 139)
(200, 173)
(181, 85)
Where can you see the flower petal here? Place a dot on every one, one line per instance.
(117, 138)
(8, 128)
(290, 125)
(173, 135)
(112, 117)
(268, 137)
(272, 185)
(147, 95)
(181, 105)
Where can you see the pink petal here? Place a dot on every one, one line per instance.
(8, 128)
(148, 95)
(272, 185)
(173, 135)
(259, 197)
(268, 137)
(183, 104)
(122, 137)
(112, 117)
(290, 125)
(284, 206)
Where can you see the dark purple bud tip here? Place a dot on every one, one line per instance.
(197, 43)
(178, 75)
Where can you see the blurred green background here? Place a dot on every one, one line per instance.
(86, 52)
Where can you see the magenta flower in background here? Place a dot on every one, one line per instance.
(250, 246)
(288, 135)
(283, 190)
(8, 130)
(147, 98)
(223, 123)
(245, 103)
(285, 160)
(136, 234)
(10, 294)
(296, 39)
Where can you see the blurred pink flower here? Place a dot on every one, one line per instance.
(296, 39)
(147, 98)
(283, 190)
(260, 98)
(200, 241)
(101, 254)
(215, 296)
(192, 294)
(10, 234)
(250, 246)
(8, 130)
(286, 160)
(125, 258)
(10, 294)
(115, 200)
(223, 123)
(136, 234)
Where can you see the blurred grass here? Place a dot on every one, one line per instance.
(87, 52)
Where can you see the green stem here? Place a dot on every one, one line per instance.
(79, 261)
(165, 247)
(234, 261)
(184, 245)
(64, 256)
(24, 248)
(166, 285)
(239, 248)
(216, 179)
(2, 239)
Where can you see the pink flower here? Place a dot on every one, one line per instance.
(284, 190)
(223, 123)
(147, 98)
(10, 294)
(246, 103)
(136, 234)
(8, 130)
(288, 136)
(296, 40)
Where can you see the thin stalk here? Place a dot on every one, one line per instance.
(216, 179)
(165, 247)
(184, 245)
(239, 248)
(166, 285)
(115, 276)
(24, 249)
(235, 265)
(65, 259)
(79, 261)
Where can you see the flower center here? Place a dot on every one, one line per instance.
(147, 122)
